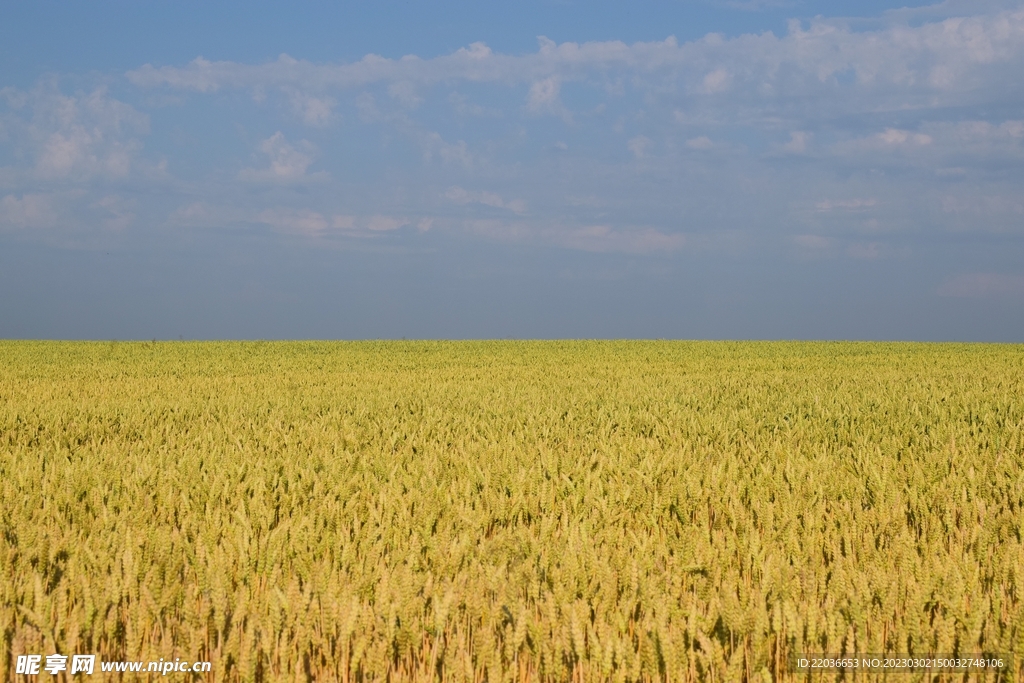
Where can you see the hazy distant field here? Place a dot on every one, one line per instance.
(510, 510)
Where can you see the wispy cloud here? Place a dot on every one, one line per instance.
(459, 195)
(75, 137)
(700, 142)
(27, 211)
(287, 163)
(592, 238)
(543, 98)
(835, 131)
(639, 145)
(604, 238)
(314, 111)
(298, 221)
(824, 65)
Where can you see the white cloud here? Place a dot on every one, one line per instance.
(65, 217)
(449, 153)
(824, 66)
(888, 144)
(118, 213)
(894, 136)
(603, 238)
(971, 209)
(717, 81)
(343, 222)
(204, 215)
(462, 196)
(27, 212)
(462, 106)
(593, 238)
(983, 138)
(380, 223)
(893, 105)
(543, 98)
(296, 221)
(73, 137)
(638, 146)
(314, 111)
(404, 92)
(945, 148)
(311, 223)
(543, 95)
(366, 104)
(798, 141)
(288, 163)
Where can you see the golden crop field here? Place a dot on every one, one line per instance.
(511, 511)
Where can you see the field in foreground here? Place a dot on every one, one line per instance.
(510, 510)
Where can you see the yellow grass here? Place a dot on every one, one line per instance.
(510, 511)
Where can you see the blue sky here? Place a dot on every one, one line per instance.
(538, 169)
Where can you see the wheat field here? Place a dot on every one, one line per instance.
(511, 511)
